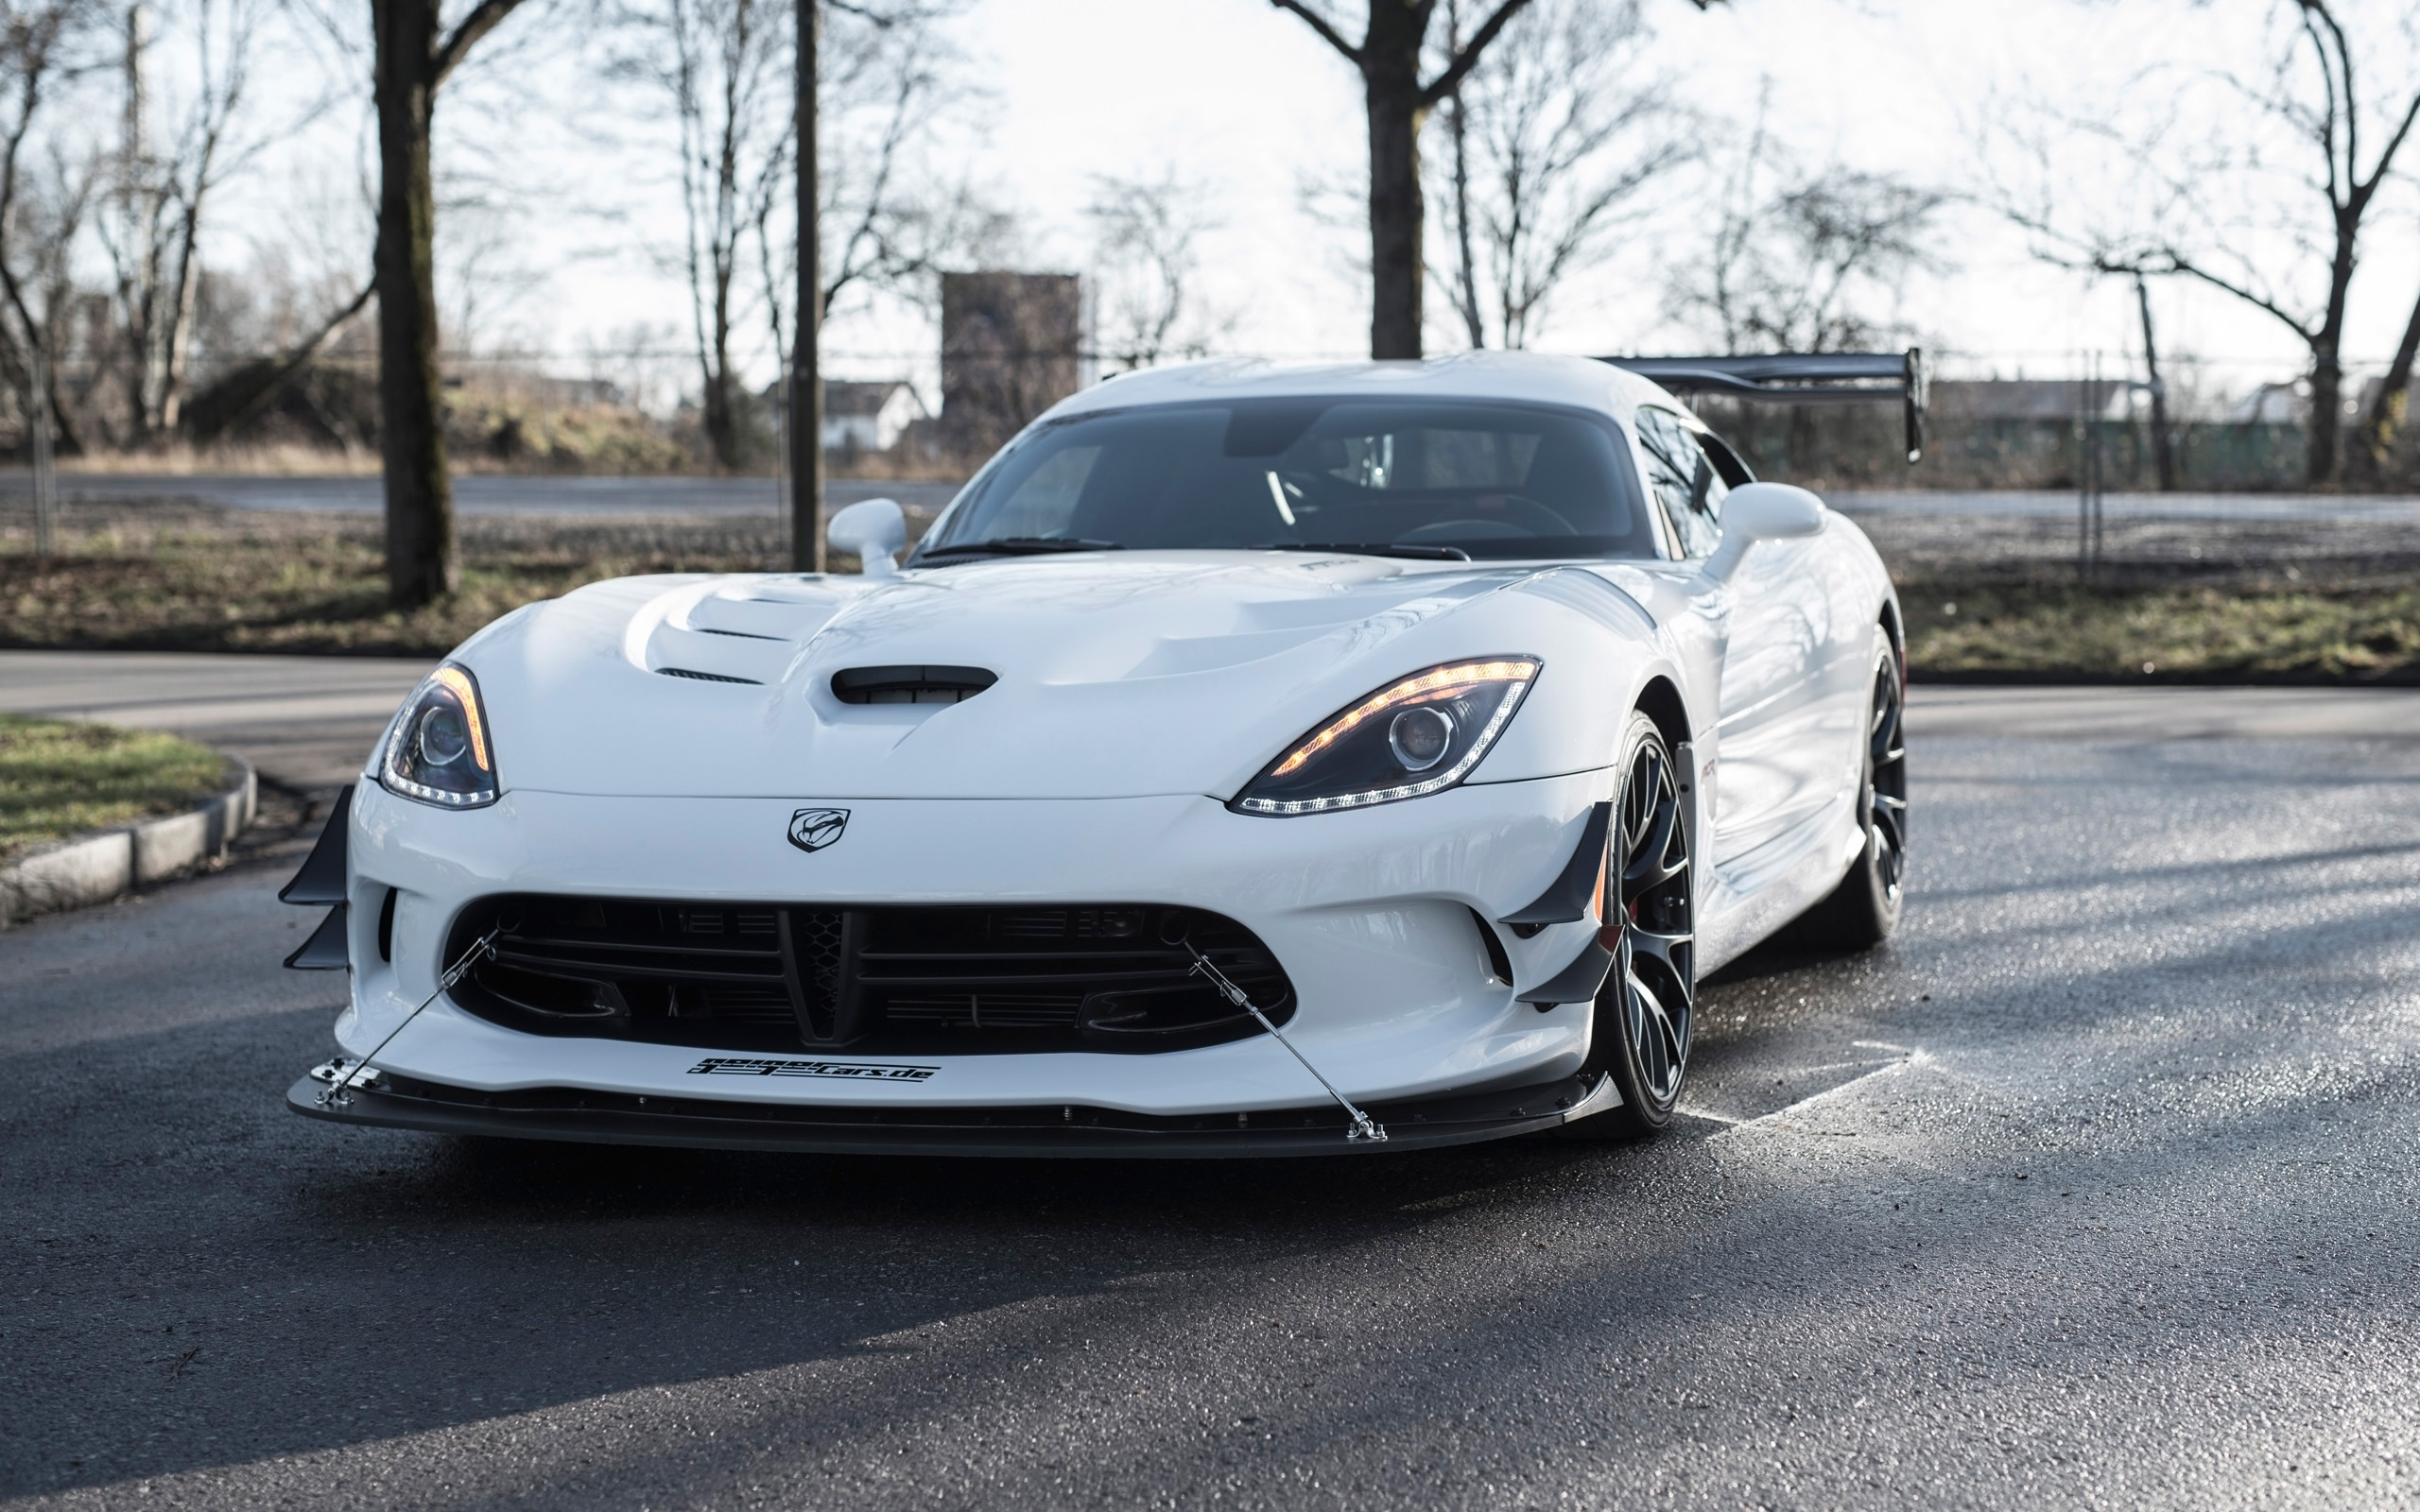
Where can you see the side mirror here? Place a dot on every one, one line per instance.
(874, 531)
(1761, 512)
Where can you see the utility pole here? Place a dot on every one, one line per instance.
(806, 366)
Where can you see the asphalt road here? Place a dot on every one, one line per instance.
(302, 721)
(2061, 505)
(2096, 1187)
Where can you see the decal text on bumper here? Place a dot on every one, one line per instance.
(854, 1070)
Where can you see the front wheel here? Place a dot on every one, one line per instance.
(1645, 1007)
(1864, 909)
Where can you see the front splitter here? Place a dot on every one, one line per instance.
(1071, 1131)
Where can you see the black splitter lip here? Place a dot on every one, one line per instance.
(1019, 1133)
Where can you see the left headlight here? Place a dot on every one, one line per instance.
(437, 750)
(1410, 738)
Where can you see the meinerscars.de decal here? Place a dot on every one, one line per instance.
(845, 1069)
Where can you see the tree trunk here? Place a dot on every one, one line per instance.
(421, 554)
(2387, 412)
(1466, 266)
(2162, 448)
(2326, 406)
(723, 424)
(1390, 75)
(179, 340)
(722, 413)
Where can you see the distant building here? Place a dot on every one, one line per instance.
(1011, 347)
(2272, 404)
(2022, 399)
(868, 416)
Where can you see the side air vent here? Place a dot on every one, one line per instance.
(706, 677)
(910, 684)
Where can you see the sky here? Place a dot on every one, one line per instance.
(1243, 101)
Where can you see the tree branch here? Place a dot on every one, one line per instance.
(1466, 59)
(1320, 24)
(239, 395)
(2394, 145)
(2178, 265)
(482, 20)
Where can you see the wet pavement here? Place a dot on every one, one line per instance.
(2095, 1188)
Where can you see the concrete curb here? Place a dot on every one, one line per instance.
(93, 869)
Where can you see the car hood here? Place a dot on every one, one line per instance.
(1129, 674)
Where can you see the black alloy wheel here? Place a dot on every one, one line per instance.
(1644, 1010)
(1864, 909)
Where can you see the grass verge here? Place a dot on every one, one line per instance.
(200, 582)
(59, 778)
(1972, 628)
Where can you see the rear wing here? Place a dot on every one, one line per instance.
(1801, 378)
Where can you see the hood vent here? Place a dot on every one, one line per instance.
(706, 677)
(910, 684)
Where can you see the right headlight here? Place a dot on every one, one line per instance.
(437, 750)
(1414, 737)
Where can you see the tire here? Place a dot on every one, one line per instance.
(1864, 910)
(1644, 1011)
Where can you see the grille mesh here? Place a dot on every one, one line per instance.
(765, 976)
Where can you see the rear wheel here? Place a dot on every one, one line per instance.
(1645, 1008)
(1864, 909)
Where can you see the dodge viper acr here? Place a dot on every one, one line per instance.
(1251, 760)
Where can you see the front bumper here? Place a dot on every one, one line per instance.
(1065, 1131)
(1370, 912)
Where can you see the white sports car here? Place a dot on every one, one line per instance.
(1251, 761)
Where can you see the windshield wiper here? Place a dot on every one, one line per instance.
(1019, 546)
(1365, 548)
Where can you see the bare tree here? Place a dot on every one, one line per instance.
(886, 82)
(1391, 59)
(1553, 139)
(152, 222)
(1804, 261)
(45, 195)
(1147, 234)
(891, 86)
(893, 83)
(722, 67)
(2217, 202)
(2067, 227)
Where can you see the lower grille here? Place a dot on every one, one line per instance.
(758, 976)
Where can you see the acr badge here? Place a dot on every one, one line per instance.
(814, 829)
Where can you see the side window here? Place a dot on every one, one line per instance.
(1727, 464)
(1686, 485)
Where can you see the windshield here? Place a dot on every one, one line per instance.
(1490, 480)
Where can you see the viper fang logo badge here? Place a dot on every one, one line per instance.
(814, 829)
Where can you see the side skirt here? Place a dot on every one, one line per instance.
(1756, 894)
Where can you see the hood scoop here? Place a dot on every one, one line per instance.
(910, 684)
